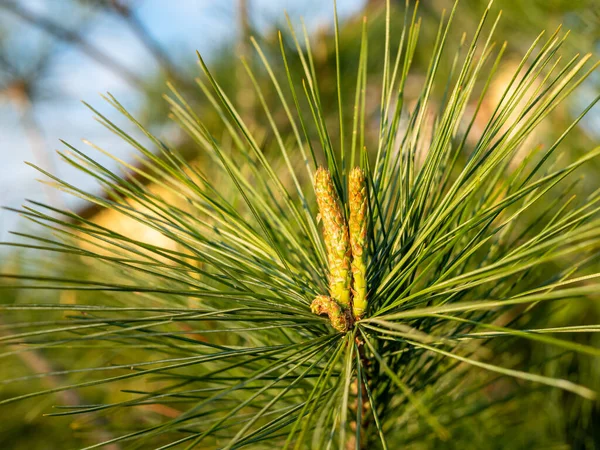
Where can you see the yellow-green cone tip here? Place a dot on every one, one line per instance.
(323, 304)
(357, 202)
(335, 234)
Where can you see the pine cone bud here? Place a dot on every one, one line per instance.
(337, 316)
(335, 233)
(358, 239)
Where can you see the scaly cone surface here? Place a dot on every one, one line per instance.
(335, 234)
(337, 316)
(358, 239)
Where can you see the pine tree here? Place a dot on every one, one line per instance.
(398, 320)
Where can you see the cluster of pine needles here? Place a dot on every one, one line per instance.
(442, 242)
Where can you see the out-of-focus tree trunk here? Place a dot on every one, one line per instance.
(245, 91)
(372, 4)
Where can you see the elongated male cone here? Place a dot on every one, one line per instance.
(335, 233)
(337, 316)
(358, 239)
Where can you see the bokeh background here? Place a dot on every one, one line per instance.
(56, 53)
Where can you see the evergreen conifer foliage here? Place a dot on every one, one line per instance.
(431, 256)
